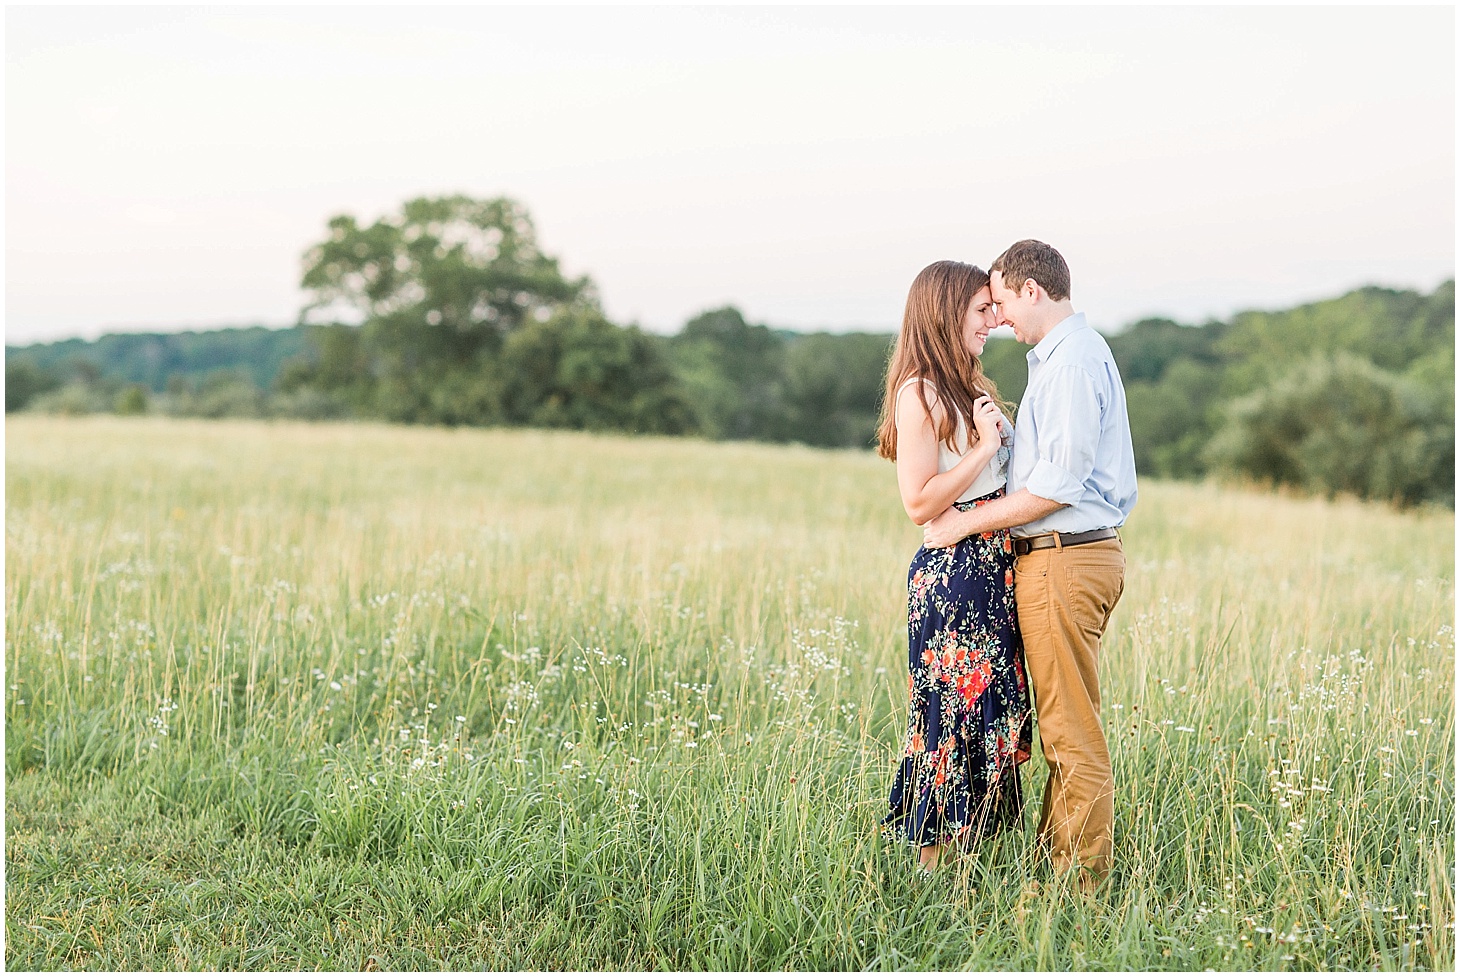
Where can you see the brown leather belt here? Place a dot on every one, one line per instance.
(1024, 544)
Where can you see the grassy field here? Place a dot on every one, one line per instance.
(359, 697)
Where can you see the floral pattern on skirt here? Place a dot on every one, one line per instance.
(969, 716)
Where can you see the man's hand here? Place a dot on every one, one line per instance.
(1021, 508)
(944, 529)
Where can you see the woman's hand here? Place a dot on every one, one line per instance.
(944, 529)
(925, 490)
(986, 419)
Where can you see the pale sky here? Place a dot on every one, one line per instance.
(167, 167)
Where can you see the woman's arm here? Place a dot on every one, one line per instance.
(926, 492)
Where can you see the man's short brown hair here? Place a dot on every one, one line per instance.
(1034, 259)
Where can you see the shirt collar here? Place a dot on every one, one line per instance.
(1067, 327)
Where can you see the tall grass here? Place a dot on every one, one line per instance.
(288, 696)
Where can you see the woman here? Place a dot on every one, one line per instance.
(968, 727)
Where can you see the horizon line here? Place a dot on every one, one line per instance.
(1001, 332)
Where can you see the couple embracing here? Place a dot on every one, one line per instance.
(1021, 564)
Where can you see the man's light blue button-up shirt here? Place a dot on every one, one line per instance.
(1072, 442)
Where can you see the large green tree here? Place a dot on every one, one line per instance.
(469, 269)
(437, 287)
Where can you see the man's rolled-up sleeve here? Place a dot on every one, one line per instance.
(1068, 422)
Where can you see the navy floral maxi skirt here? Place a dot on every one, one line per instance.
(969, 717)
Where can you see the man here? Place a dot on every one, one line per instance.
(1072, 481)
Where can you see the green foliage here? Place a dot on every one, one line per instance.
(227, 394)
(731, 374)
(745, 381)
(439, 282)
(1146, 350)
(1390, 328)
(1004, 362)
(132, 400)
(151, 359)
(25, 379)
(75, 399)
(1341, 424)
(1354, 394)
(833, 388)
(335, 366)
(578, 370)
(466, 321)
(1265, 397)
(1173, 418)
(310, 404)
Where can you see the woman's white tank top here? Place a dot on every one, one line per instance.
(994, 475)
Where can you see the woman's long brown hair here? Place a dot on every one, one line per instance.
(930, 345)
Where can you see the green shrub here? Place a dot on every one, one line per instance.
(74, 399)
(132, 400)
(1340, 424)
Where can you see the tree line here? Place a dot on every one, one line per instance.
(462, 319)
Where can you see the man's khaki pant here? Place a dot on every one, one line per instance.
(1064, 597)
